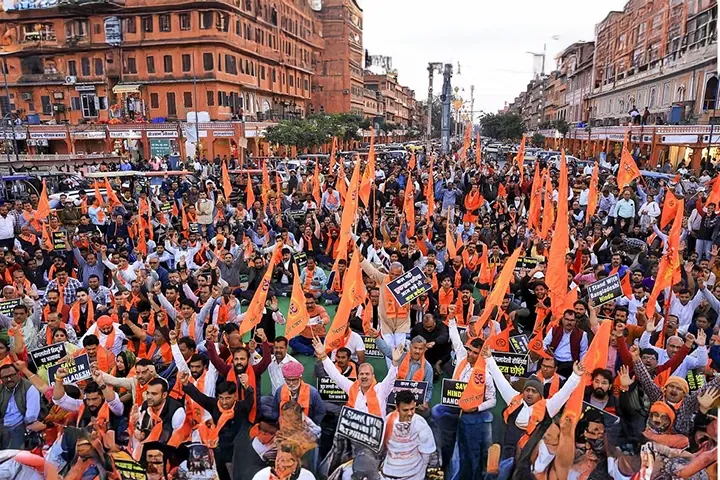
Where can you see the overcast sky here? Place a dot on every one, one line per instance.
(488, 38)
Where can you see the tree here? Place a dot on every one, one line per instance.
(562, 126)
(503, 126)
(538, 140)
(317, 130)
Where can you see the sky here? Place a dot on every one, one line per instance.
(489, 38)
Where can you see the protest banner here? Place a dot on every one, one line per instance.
(194, 228)
(513, 364)
(528, 263)
(59, 241)
(695, 379)
(519, 344)
(605, 290)
(408, 286)
(361, 428)
(418, 389)
(49, 355)
(371, 349)
(78, 370)
(608, 417)
(8, 306)
(301, 261)
(128, 468)
(166, 207)
(452, 390)
(330, 392)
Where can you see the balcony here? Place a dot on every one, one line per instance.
(42, 78)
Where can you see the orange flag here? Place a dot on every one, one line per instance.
(317, 194)
(487, 274)
(626, 285)
(43, 209)
(596, 357)
(714, 196)
(520, 157)
(556, 274)
(141, 243)
(185, 224)
(227, 186)
(297, 317)
(669, 208)
(409, 206)
(369, 173)
(333, 152)
(669, 267)
(628, 170)
(349, 213)
(499, 290)
(265, 186)
(112, 198)
(548, 208)
(478, 149)
(502, 192)
(278, 189)
(593, 195)
(500, 342)
(450, 242)
(353, 294)
(535, 200)
(255, 310)
(249, 193)
(466, 141)
(100, 203)
(430, 192)
(411, 163)
(340, 184)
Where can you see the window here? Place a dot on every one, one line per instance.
(247, 67)
(150, 61)
(131, 66)
(231, 64)
(168, 63)
(208, 61)
(75, 103)
(171, 107)
(130, 25)
(206, 20)
(46, 106)
(165, 24)
(72, 68)
(262, 72)
(273, 75)
(89, 104)
(187, 99)
(291, 81)
(154, 100)
(653, 97)
(147, 23)
(76, 29)
(99, 69)
(210, 99)
(711, 94)
(85, 66)
(666, 94)
(307, 85)
(186, 63)
(184, 21)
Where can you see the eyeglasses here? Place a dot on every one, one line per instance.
(8, 377)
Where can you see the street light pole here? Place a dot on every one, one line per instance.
(8, 114)
(432, 67)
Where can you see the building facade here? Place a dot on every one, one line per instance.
(338, 82)
(576, 64)
(399, 104)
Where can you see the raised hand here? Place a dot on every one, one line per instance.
(244, 380)
(319, 348)
(708, 399)
(625, 379)
(649, 324)
(578, 369)
(212, 333)
(485, 352)
(701, 338)
(397, 354)
(635, 353)
(60, 374)
(260, 333)
(184, 377)
(173, 336)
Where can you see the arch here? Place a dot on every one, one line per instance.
(710, 97)
(680, 93)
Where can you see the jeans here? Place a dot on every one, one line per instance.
(303, 346)
(474, 438)
(702, 247)
(393, 340)
(331, 298)
(12, 437)
(446, 420)
(506, 468)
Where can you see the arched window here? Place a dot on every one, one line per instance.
(711, 94)
(680, 94)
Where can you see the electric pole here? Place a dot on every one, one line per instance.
(472, 105)
(432, 68)
(446, 98)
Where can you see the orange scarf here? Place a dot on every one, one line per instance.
(75, 313)
(49, 333)
(223, 312)
(103, 417)
(554, 383)
(110, 340)
(536, 416)
(252, 382)
(47, 311)
(303, 397)
(209, 433)
(474, 393)
(140, 392)
(404, 369)
(371, 399)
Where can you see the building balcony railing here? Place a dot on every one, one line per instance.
(40, 78)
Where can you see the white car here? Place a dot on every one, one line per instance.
(555, 160)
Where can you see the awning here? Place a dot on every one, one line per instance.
(127, 88)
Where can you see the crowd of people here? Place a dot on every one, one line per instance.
(183, 330)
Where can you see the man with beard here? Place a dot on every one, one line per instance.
(295, 389)
(101, 405)
(566, 343)
(160, 416)
(196, 365)
(137, 384)
(53, 304)
(228, 414)
(83, 312)
(45, 335)
(109, 334)
(19, 407)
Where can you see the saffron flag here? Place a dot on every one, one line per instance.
(502, 192)
(297, 317)
(466, 141)
(669, 208)
(520, 157)
(112, 198)
(450, 241)
(341, 183)
(430, 193)
(478, 150)
(349, 213)
(412, 162)
(353, 293)
(596, 357)
(556, 274)
(278, 190)
(535, 200)
(409, 206)
(227, 185)
(333, 152)
(249, 194)
(628, 170)
(255, 310)
(43, 209)
(98, 202)
(669, 267)
(714, 196)
(369, 173)
(499, 290)
(548, 208)
(593, 195)
(317, 194)
(626, 285)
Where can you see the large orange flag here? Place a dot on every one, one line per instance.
(450, 242)
(409, 206)
(593, 195)
(487, 274)
(353, 294)
(112, 198)
(714, 196)
(669, 208)
(499, 290)
(466, 141)
(369, 173)
(556, 274)
(227, 185)
(430, 193)
(478, 149)
(535, 200)
(520, 157)
(249, 193)
(340, 184)
(548, 216)
(596, 357)
(278, 189)
(99, 201)
(317, 194)
(297, 317)
(669, 267)
(349, 213)
(255, 310)
(333, 152)
(43, 209)
(628, 170)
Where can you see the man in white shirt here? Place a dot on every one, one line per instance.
(7, 228)
(566, 342)
(409, 441)
(97, 394)
(281, 357)
(523, 410)
(696, 359)
(108, 333)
